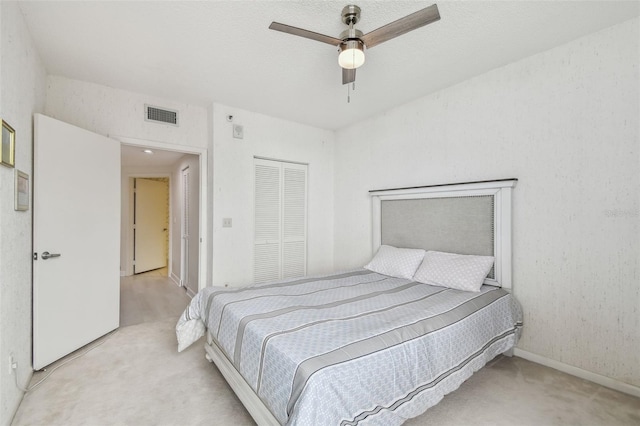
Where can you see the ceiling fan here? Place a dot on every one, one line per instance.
(352, 43)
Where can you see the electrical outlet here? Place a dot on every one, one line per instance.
(227, 222)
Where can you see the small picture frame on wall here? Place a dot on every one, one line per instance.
(7, 153)
(22, 191)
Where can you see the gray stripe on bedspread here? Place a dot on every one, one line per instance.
(311, 324)
(386, 340)
(280, 284)
(246, 320)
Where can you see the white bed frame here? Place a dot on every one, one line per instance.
(245, 393)
(501, 191)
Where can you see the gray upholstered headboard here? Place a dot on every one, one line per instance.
(467, 218)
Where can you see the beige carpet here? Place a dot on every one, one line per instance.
(150, 297)
(137, 378)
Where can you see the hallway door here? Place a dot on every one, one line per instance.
(150, 224)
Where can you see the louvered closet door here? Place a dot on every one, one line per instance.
(267, 221)
(294, 220)
(280, 249)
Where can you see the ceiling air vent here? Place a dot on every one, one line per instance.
(160, 115)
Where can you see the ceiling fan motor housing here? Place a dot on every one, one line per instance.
(351, 34)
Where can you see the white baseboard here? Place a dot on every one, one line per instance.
(579, 372)
(175, 279)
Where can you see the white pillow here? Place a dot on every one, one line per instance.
(396, 262)
(458, 271)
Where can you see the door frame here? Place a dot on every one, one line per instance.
(203, 271)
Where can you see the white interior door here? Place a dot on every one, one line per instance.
(184, 229)
(76, 215)
(150, 225)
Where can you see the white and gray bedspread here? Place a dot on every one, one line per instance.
(356, 347)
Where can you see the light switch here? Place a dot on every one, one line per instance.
(226, 222)
(238, 131)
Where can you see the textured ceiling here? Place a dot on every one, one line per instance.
(222, 51)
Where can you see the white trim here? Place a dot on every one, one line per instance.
(256, 157)
(173, 277)
(203, 275)
(579, 372)
(501, 190)
(494, 184)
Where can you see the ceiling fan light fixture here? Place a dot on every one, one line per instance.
(351, 54)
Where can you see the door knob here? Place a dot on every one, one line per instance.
(46, 255)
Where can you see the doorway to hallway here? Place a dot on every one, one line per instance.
(153, 232)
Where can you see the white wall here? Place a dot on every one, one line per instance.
(114, 112)
(22, 91)
(233, 188)
(566, 124)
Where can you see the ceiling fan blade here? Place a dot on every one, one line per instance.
(305, 33)
(401, 26)
(348, 76)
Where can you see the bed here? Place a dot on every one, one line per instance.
(374, 345)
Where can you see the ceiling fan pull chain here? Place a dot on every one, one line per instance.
(348, 94)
